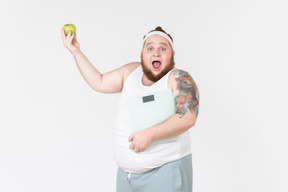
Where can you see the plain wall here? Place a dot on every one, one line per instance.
(56, 133)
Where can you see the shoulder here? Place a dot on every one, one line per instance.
(177, 73)
(180, 80)
(131, 66)
(174, 75)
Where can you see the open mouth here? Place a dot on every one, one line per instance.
(156, 64)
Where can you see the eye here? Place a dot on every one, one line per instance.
(163, 49)
(150, 49)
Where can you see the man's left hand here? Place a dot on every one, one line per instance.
(140, 141)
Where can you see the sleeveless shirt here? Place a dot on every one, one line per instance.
(156, 155)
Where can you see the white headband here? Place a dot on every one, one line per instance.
(162, 34)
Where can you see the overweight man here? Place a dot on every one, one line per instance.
(162, 167)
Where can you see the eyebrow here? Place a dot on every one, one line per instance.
(162, 43)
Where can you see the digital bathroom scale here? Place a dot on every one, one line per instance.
(149, 109)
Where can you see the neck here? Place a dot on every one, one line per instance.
(146, 81)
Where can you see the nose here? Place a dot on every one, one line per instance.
(156, 53)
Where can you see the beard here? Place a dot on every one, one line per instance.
(152, 77)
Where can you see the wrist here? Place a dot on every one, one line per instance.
(77, 54)
(150, 133)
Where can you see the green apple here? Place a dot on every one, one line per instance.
(69, 27)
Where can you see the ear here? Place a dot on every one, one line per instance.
(173, 53)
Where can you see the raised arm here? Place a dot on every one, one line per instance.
(186, 96)
(111, 82)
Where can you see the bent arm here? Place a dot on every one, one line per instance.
(111, 82)
(173, 126)
(186, 96)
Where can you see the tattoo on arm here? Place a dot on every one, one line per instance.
(188, 96)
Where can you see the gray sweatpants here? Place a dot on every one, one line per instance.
(174, 176)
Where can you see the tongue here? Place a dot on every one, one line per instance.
(156, 64)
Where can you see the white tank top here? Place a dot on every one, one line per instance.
(156, 155)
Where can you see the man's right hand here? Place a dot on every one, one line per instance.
(70, 42)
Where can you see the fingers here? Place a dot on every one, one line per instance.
(67, 39)
(134, 148)
(131, 146)
(68, 36)
(63, 35)
(137, 151)
(131, 138)
(71, 38)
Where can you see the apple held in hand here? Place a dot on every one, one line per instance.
(69, 27)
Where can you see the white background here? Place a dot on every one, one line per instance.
(56, 132)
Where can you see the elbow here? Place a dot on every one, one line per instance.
(97, 84)
(191, 123)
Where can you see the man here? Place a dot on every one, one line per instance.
(144, 167)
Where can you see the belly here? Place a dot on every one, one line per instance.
(154, 156)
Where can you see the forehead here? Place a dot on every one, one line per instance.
(156, 39)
